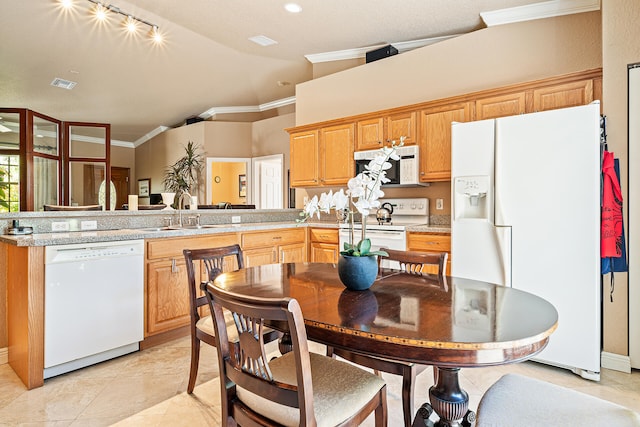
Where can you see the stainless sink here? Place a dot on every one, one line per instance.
(184, 227)
(155, 229)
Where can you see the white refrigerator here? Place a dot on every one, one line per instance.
(526, 214)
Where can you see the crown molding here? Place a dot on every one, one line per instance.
(212, 112)
(361, 52)
(150, 135)
(548, 9)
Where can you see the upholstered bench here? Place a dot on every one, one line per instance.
(516, 400)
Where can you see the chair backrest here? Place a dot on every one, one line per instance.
(248, 366)
(215, 261)
(413, 262)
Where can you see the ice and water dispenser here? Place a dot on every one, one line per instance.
(471, 199)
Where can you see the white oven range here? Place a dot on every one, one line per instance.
(406, 212)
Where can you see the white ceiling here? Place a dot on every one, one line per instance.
(206, 63)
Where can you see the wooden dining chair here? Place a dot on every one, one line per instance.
(413, 263)
(298, 388)
(215, 261)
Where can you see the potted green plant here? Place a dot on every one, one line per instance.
(182, 176)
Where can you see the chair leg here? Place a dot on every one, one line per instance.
(195, 359)
(408, 382)
(382, 411)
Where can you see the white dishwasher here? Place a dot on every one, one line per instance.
(94, 303)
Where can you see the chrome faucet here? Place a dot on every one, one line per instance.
(181, 205)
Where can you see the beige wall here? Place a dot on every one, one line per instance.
(484, 59)
(620, 35)
(217, 139)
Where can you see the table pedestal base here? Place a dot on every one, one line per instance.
(448, 401)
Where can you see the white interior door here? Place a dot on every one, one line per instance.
(268, 186)
(634, 213)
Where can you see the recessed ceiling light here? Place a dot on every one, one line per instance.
(263, 40)
(293, 7)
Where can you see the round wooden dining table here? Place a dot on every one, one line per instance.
(447, 322)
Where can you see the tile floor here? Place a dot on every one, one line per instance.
(148, 389)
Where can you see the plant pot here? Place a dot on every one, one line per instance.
(357, 273)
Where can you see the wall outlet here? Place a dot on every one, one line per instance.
(439, 204)
(88, 225)
(59, 226)
(235, 219)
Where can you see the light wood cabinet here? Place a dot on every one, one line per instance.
(431, 242)
(167, 290)
(167, 295)
(370, 134)
(336, 154)
(402, 124)
(269, 247)
(322, 157)
(501, 106)
(323, 245)
(435, 139)
(564, 95)
(375, 132)
(427, 124)
(304, 158)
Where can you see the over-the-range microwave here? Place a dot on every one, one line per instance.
(403, 172)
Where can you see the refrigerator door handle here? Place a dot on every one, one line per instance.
(503, 239)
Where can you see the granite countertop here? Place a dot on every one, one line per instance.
(64, 238)
(411, 228)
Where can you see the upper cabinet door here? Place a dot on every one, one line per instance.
(501, 106)
(336, 154)
(435, 140)
(403, 124)
(562, 96)
(370, 134)
(304, 158)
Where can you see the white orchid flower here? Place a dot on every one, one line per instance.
(364, 191)
(311, 207)
(325, 203)
(340, 200)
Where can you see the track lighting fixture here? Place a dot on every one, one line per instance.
(131, 23)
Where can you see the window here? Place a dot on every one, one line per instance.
(9, 183)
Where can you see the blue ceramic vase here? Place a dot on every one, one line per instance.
(357, 273)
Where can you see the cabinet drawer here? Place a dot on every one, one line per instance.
(429, 242)
(324, 235)
(171, 248)
(272, 238)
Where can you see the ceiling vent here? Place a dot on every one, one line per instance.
(64, 84)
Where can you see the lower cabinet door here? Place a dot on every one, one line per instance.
(294, 252)
(167, 296)
(261, 256)
(324, 252)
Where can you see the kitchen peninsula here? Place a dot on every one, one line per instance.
(266, 236)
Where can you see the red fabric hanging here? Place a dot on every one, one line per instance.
(611, 224)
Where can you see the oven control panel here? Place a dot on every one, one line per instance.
(409, 206)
